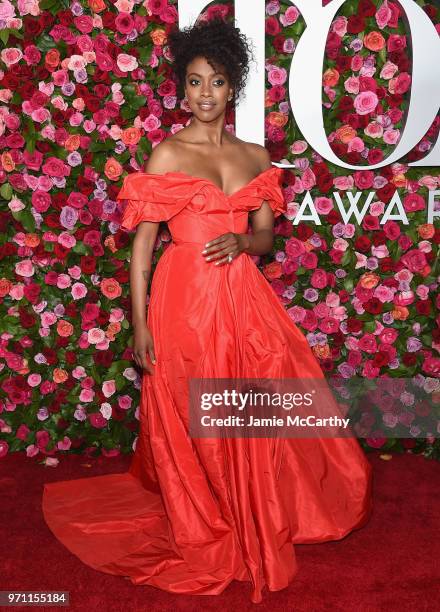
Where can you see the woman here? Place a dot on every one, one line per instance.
(194, 513)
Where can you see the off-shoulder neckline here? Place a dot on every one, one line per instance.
(209, 181)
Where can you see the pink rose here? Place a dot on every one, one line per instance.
(414, 260)
(383, 15)
(277, 76)
(319, 279)
(400, 84)
(11, 56)
(41, 201)
(388, 71)
(104, 61)
(310, 322)
(84, 23)
(323, 205)
(357, 61)
(32, 55)
(396, 42)
(391, 136)
(294, 248)
(356, 144)
(124, 23)
(55, 167)
(388, 336)
(339, 25)
(431, 366)
(363, 179)
(97, 420)
(343, 182)
(42, 439)
(321, 310)
(391, 230)
(309, 260)
(329, 325)
(297, 313)
(413, 202)
(290, 16)
(126, 62)
(374, 130)
(366, 102)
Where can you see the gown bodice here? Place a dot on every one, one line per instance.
(196, 209)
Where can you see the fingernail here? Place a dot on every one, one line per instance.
(207, 244)
(204, 251)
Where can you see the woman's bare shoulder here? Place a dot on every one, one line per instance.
(164, 157)
(259, 155)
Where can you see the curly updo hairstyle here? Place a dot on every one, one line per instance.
(220, 42)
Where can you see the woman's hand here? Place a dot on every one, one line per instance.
(227, 244)
(143, 344)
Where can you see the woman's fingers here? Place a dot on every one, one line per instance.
(222, 254)
(152, 355)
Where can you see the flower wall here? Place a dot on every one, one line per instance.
(86, 92)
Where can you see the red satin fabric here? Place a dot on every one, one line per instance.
(191, 515)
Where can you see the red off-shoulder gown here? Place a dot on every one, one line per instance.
(191, 515)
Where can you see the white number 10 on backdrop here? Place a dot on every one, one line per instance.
(305, 79)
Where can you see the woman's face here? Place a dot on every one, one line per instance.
(207, 89)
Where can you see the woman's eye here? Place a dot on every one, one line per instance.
(219, 82)
(192, 81)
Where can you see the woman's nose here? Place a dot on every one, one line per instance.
(206, 89)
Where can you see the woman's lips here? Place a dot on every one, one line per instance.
(206, 105)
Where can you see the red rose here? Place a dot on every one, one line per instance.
(366, 8)
(375, 156)
(396, 42)
(379, 238)
(423, 307)
(363, 179)
(356, 24)
(278, 43)
(409, 359)
(325, 183)
(400, 59)
(381, 358)
(354, 325)
(332, 45)
(370, 223)
(343, 63)
(386, 192)
(333, 217)
(431, 11)
(272, 26)
(391, 230)
(367, 83)
(373, 306)
(32, 28)
(304, 231)
(346, 103)
(362, 244)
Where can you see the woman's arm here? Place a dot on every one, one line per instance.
(140, 269)
(144, 241)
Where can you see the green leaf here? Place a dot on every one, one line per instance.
(4, 35)
(26, 219)
(6, 191)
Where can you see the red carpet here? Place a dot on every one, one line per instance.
(391, 564)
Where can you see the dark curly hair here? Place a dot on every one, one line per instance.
(220, 42)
